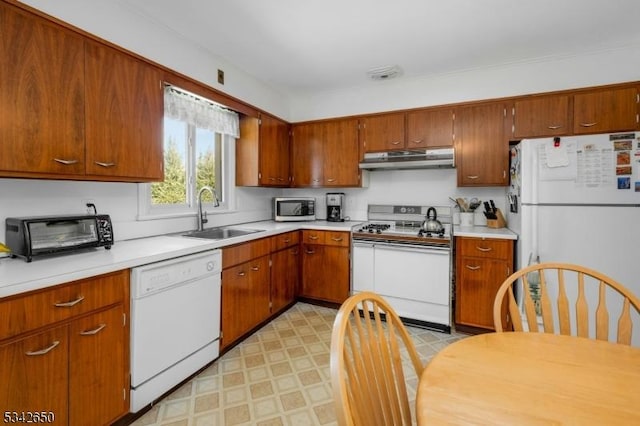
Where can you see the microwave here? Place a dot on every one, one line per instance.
(34, 236)
(286, 209)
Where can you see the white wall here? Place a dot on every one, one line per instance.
(597, 68)
(30, 197)
(418, 187)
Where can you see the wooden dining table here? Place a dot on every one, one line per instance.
(517, 378)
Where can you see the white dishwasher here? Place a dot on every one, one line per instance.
(175, 322)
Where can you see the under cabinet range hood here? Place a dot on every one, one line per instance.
(416, 159)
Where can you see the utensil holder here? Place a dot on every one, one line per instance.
(499, 222)
(466, 219)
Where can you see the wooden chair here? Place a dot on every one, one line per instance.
(367, 373)
(545, 292)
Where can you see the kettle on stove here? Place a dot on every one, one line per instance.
(431, 223)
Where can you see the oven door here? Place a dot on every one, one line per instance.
(414, 279)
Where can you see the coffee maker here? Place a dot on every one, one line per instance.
(335, 206)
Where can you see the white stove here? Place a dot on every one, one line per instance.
(410, 268)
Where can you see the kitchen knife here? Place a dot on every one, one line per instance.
(493, 206)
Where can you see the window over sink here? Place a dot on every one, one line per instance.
(199, 139)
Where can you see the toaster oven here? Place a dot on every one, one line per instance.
(34, 236)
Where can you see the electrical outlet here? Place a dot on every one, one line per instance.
(220, 76)
(86, 205)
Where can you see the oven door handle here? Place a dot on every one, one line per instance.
(401, 246)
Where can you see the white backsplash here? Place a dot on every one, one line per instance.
(32, 197)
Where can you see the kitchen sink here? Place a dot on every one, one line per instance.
(221, 233)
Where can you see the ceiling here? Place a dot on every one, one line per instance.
(304, 46)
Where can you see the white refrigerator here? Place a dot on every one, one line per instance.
(576, 199)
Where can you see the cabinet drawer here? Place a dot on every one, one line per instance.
(285, 240)
(340, 239)
(488, 248)
(27, 312)
(244, 252)
(313, 237)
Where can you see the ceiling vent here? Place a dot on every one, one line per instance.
(384, 73)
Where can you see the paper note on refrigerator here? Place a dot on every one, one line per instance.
(558, 163)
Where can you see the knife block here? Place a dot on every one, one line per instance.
(500, 222)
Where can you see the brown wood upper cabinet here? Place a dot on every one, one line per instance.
(542, 116)
(262, 152)
(419, 129)
(430, 128)
(609, 110)
(384, 132)
(482, 144)
(73, 108)
(42, 96)
(325, 154)
(124, 106)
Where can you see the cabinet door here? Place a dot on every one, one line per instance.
(325, 273)
(482, 147)
(543, 116)
(341, 154)
(606, 111)
(383, 132)
(430, 128)
(285, 269)
(34, 374)
(307, 155)
(124, 116)
(274, 152)
(245, 298)
(478, 283)
(41, 96)
(98, 379)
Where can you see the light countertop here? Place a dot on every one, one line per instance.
(18, 276)
(484, 232)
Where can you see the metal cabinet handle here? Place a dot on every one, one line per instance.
(310, 251)
(65, 162)
(272, 178)
(554, 127)
(255, 268)
(43, 351)
(101, 164)
(287, 240)
(588, 124)
(331, 180)
(241, 274)
(94, 331)
(419, 141)
(395, 143)
(69, 304)
(281, 179)
(294, 252)
(473, 177)
(313, 237)
(336, 239)
(485, 249)
(472, 268)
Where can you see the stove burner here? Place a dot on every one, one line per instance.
(423, 233)
(375, 227)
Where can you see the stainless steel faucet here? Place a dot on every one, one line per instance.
(202, 216)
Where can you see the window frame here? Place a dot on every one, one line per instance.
(148, 211)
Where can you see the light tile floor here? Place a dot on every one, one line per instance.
(278, 376)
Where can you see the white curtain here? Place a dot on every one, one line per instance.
(200, 112)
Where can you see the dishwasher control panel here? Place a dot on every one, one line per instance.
(156, 277)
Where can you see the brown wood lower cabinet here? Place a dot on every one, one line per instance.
(325, 265)
(245, 298)
(481, 267)
(285, 273)
(77, 367)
